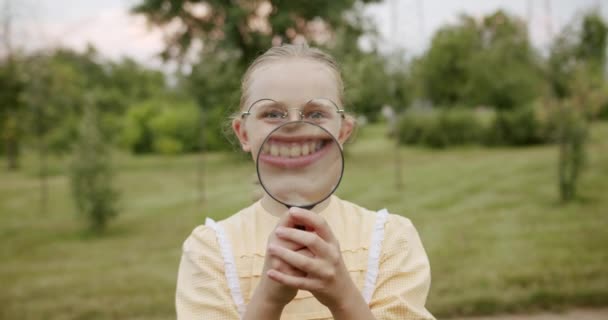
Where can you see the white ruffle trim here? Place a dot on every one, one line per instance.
(375, 248)
(229, 265)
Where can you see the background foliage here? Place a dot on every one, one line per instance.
(480, 93)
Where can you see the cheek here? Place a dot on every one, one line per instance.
(256, 136)
(335, 131)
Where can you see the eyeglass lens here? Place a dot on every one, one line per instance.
(316, 111)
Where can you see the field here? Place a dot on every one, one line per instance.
(497, 236)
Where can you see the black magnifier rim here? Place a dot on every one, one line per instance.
(257, 164)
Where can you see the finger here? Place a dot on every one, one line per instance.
(301, 283)
(295, 259)
(306, 252)
(287, 269)
(286, 221)
(291, 245)
(307, 239)
(313, 220)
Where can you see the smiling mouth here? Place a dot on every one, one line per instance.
(293, 153)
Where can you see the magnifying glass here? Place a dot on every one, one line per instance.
(300, 164)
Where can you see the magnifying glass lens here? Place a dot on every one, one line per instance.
(300, 164)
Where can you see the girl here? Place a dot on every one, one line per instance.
(347, 263)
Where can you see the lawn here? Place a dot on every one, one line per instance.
(497, 236)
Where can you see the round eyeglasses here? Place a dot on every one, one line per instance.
(319, 111)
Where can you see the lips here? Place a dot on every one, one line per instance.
(293, 153)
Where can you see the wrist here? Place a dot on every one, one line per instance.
(262, 306)
(349, 301)
(264, 293)
(271, 307)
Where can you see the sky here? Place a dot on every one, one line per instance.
(403, 24)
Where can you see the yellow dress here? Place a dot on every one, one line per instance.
(222, 263)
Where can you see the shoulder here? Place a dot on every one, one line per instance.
(205, 237)
(355, 213)
(393, 223)
(202, 239)
(401, 238)
(398, 224)
(241, 219)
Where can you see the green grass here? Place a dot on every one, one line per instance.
(497, 236)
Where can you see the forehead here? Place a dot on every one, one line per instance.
(293, 81)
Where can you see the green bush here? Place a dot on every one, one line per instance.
(168, 145)
(176, 129)
(91, 173)
(571, 135)
(137, 134)
(444, 127)
(158, 126)
(603, 113)
(518, 127)
(440, 128)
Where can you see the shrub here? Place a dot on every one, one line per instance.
(162, 127)
(137, 134)
(176, 129)
(603, 113)
(571, 135)
(518, 127)
(91, 174)
(440, 129)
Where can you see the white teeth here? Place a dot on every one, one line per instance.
(294, 151)
(284, 151)
(274, 150)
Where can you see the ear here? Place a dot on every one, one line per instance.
(238, 126)
(346, 129)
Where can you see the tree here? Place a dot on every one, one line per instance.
(11, 109)
(91, 173)
(372, 81)
(247, 27)
(444, 69)
(11, 90)
(575, 71)
(488, 62)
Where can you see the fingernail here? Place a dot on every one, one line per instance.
(280, 231)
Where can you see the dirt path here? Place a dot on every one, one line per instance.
(577, 314)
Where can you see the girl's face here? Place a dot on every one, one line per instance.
(293, 83)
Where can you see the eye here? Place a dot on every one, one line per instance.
(316, 115)
(273, 114)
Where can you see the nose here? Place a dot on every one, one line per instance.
(294, 114)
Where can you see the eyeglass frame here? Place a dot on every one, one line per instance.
(248, 112)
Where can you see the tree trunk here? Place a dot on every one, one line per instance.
(11, 140)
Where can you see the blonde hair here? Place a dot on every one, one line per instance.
(288, 51)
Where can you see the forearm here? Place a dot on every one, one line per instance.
(261, 309)
(353, 307)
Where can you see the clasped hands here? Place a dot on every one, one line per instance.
(307, 259)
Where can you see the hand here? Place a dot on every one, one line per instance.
(324, 273)
(274, 292)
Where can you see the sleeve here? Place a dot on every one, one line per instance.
(202, 292)
(404, 276)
